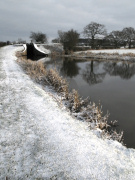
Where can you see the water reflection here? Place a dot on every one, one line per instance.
(34, 58)
(112, 83)
(70, 68)
(90, 75)
(123, 69)
(115, 95)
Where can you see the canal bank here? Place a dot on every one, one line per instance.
(110, 82)
(107, 54)
(39, 139)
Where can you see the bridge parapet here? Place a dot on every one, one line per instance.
(31, 50)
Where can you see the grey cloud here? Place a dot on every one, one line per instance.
(19, 18)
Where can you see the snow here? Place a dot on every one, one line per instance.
(51, 47)
(112, 51)
(42, 49)
(40, 140)
(25, 47)
(106, 54)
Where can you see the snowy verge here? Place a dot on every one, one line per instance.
(108, 54)
(40, 140)
(110, 51)
(114, 51)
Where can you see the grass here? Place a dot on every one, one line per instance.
(35, 70)
(105, 55)
(82, 109)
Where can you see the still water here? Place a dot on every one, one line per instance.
(111, 83)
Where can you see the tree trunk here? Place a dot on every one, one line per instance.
(92, 43)
(129, 44)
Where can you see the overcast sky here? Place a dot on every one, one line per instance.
(19, 17)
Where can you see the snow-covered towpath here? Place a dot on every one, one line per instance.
(40, 140)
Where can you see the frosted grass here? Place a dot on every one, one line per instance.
(40, 140)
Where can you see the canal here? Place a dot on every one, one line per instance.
(108, 82)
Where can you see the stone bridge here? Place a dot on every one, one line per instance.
(32, 50)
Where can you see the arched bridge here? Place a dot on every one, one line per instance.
(32, 50)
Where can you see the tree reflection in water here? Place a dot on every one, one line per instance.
(91, 76)
(70, 68)
(115, 94)
(123, 69)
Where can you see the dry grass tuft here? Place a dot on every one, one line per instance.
(57, 82)
(35, 70)
(74, 101)
(129, 54)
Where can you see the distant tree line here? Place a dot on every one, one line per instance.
(126, 37)
(38, 37)
(69, 39)
(96, 36)
(3, 44)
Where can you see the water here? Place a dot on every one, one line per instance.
(110, 83)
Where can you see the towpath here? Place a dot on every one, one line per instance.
(40, 140)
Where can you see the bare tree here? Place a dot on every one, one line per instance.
(116, 38)
(69, 39)
(56, 40)
(128, 35)
(38, 37)
(21, 41)
(92, 30)
(62, 36)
